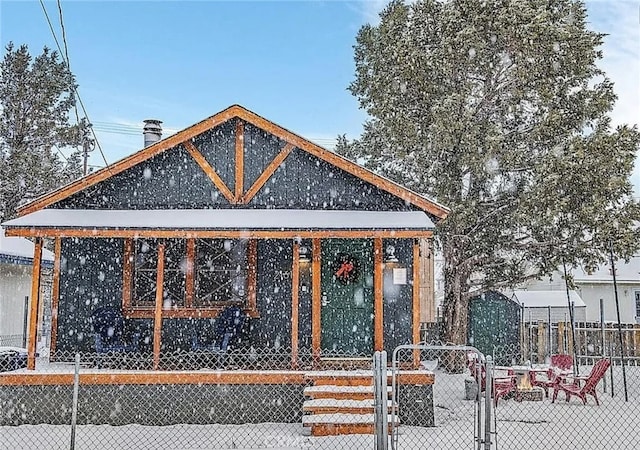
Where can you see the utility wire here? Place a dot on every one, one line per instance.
(64, 56)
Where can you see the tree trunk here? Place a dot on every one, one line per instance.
(456, 301)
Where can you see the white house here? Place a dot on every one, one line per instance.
(16, 259)
(598, 285)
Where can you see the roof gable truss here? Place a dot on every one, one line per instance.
(238, 195)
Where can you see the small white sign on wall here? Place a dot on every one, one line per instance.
(399, 276)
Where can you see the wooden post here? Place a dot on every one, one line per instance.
(561, 337)
(252, 302)
(190, 275)
(127, 275)
(542, 345)
(33, 306)
(378, 303)
(570, 344)
(295, 300)
(157, 318)
(55, 294)
(636, 340)
(316, 301)
(239, 147)
(416, 301)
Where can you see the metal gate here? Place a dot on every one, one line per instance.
(451, 412)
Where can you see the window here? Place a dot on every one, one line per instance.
(637, 294)
(201, 276)
(144, 273)
(221, 271)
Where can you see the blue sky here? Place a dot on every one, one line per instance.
(289, 61)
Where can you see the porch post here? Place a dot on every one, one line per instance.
(416, 300)
(55, 294)
(378, 304)
(316, 301)
(33, 306)
(157, 317)
(295, 283)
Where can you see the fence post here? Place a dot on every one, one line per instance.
(488, 402)
(74, 406)
(381, 419)
(561, 347)
(603, 350)
(542, 345)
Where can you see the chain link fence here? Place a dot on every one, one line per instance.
(435, 397)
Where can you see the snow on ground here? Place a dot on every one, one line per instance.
(527, 425)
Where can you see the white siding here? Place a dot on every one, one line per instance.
(15, 285)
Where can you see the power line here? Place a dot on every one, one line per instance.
(65, 58)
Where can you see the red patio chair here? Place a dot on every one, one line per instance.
(503, 386)
(562, 361)
(560, 364)
(588, 388)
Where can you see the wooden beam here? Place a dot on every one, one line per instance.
(239, 184)
(130, 161)
(208, 233)
(378, 292)
(415, 311)
(157, 317)
(204, 377)
(127, 275)
(190, 284)
(33, 306)
(55, 293)
(416, 292)
(252, 281)
(210, 312)
(210, 171)
(268, 172)
(295, 301)
(316, 300)
(199, 377)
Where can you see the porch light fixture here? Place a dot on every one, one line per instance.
(390, 254)
(304, 254)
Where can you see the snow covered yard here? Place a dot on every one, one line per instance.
(518, 425)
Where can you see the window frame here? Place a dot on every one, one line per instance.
(189, 310)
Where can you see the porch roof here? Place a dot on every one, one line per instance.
(69, 222)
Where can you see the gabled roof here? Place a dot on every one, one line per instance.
(544, 299)
(233, 112)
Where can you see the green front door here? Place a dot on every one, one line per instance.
(347, 296)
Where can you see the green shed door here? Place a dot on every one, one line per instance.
(347, 300)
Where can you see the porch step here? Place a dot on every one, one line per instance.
(340, 377)
(341, 402)
(341, 392)
(333, 406)
(341, 423)
(346, 363)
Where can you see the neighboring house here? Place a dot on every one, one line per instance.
(319, 252)
(16, 265)
(553, 306)
(599, 285)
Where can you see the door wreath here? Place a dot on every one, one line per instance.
(346, 268)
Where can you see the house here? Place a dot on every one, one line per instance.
(321, 254)
(598, 284)
(16, 261)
